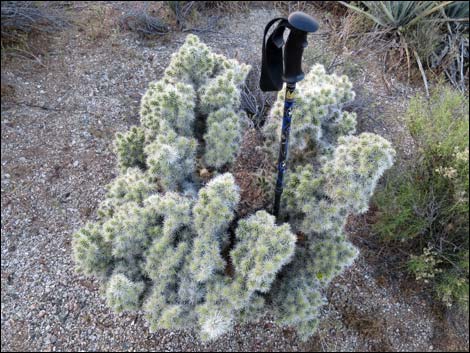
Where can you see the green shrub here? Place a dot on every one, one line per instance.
(425, 207)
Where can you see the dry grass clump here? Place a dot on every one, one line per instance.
(21, 20)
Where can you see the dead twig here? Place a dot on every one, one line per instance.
(29, 55)
(423, 74)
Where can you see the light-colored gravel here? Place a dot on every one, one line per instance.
(56, 133)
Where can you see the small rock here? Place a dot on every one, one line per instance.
(63, 317)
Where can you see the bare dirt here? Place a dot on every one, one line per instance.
(58, 120)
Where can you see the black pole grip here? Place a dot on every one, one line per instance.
(300, 24)
(293, 50)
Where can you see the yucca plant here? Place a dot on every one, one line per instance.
(457, 12)
(398, 15)
(422, 29)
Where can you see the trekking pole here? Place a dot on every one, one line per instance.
(282, 62)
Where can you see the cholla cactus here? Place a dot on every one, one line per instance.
(215, 207)
(172, 103)
(122, 294)
(175, 208)
(353, 172)
(130, 148)
(323, 199)
(328, 257)
(91, 252)
(215, 316)
(163, 259)
(171, 247)
(133, 185)
(317, 119)
(297, 299)
(194, 63)
(339, 123)
(168, 244)
(240, 70)
(200, 91)
(130, 186)
(131, 230)
(262, 249)
(223, 91)
(223, 137)
(212, 215)
(171, 158)
(333, 174)
(191, 288)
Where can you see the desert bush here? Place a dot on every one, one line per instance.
(23, 17)
(171, 244)
(182, 11)
(424, 209)
(186, 13)
(145, 20)
(21, 21)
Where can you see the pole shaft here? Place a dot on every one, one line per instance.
(282, 160)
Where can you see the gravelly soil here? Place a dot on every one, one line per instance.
(57, 126)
